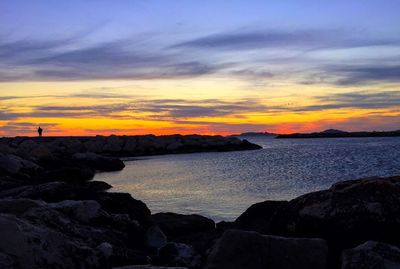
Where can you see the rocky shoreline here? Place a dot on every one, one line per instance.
(52, 215)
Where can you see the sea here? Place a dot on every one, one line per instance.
(222, 185)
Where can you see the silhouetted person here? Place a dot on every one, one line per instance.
(40, 131)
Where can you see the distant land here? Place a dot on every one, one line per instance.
(256, 134)
(333, 133)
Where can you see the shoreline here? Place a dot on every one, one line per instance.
(48, 198)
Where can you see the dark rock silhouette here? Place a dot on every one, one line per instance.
(53, 215)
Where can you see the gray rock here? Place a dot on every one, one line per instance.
(13, 164)
(34, 247)
(83, 211)
(251, 250)
(178, 254)
(371, 255)
(347, 214)
(18, 206)
(41, 152)
(155, 238)
(106, 249)
(6, 262)
(259, 217)
(25, 147)
(113, 144)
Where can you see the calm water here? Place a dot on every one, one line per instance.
(223, 185)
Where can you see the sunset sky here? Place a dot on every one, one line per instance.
(213, 67)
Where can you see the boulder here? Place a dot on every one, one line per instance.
(6, 262)
(347, 214)
(99, 162)
(34, 247)
(173, 224)
(371, 255)
(130, 145)
(25, 147)
(18, 206)
(97, 185)
(178, 254)
(259, 217)
(71, 145)
(83, 211)
(14, 165)
(95, 144)
(155, 238)
(251, 250)
(113, 144)
(41, 152)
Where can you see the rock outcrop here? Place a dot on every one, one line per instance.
(243, 249)
(371, 255)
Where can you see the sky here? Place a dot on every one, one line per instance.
(209, 67)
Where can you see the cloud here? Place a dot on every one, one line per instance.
(352, 75)
(359, 100)
(309, 39)
(26, 128)
(31, 60)
(144, 109)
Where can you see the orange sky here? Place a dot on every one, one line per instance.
(203, 105)
(208, 67)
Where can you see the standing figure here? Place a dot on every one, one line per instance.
(40, 131)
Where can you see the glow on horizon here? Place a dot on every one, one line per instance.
(275, 67)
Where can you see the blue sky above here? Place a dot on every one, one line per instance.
(284, 57)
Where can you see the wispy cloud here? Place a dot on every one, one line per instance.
(308, 39)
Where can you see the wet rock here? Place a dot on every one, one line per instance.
(251, 250)
(173, 224)
(371, 255)
(178, 254)
(259, 217)
(97, 186)
(34, 247)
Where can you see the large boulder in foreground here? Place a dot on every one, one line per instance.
(371, 255)
(32, 247)
(347, 214)
(259, 217)
(242, 249)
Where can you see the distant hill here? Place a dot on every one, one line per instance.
(332, 133)
(256, 134)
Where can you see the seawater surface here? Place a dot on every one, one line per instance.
(222, 185)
